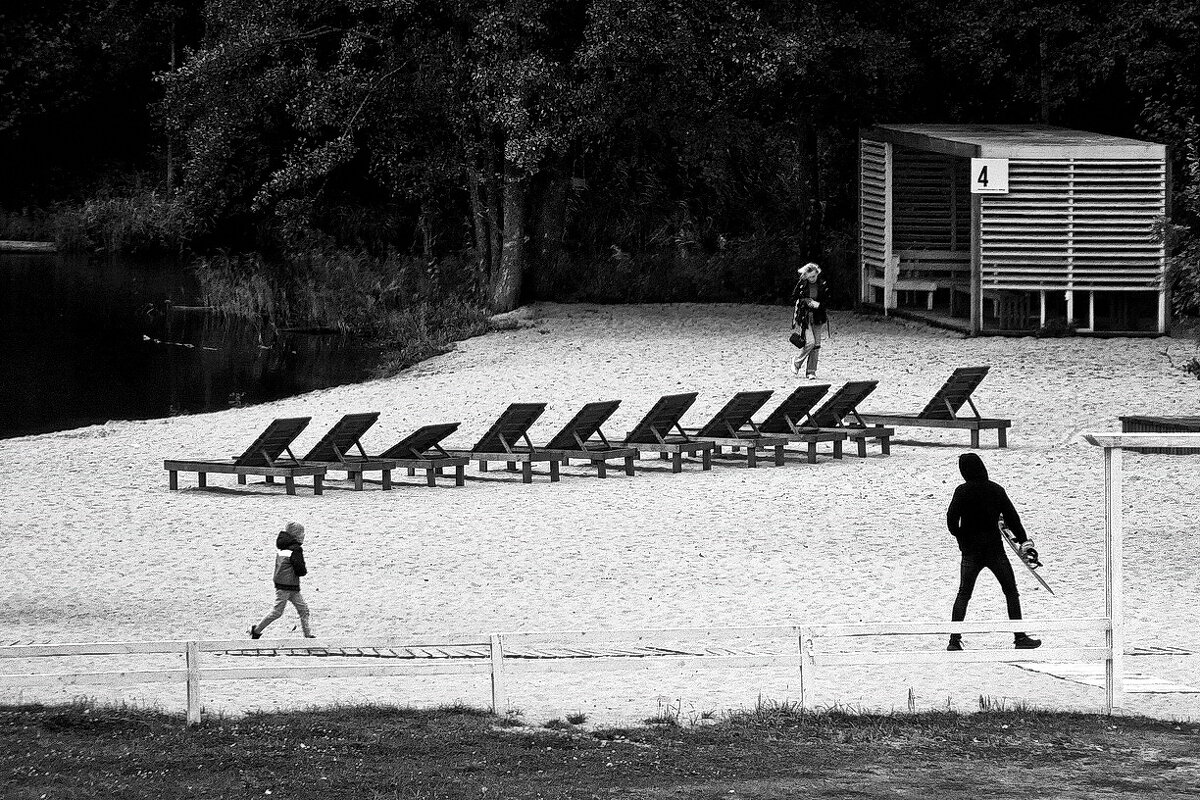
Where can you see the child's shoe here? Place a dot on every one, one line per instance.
(253, 634)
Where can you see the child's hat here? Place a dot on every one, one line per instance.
(295, 530)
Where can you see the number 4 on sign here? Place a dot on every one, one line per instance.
(989, 176)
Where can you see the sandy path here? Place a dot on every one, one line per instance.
(100, 550)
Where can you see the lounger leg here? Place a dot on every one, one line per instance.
(812, 452)
(566, 462)
(358, 481)
(460, 477)
(290, 483)
(677, 461)
(483, 466)
(412, 471)
(717, 449)
(387, 479)
(779, 455)
(173, 479)
(629, 465)
(202, 479)
(318, 484)
(837, 448)
(706, 459)
(431, 477)
(242, 479)
(862, 447)
(270, 479)
(751, 456)
(885, 444)
(1002, 435)
(553, 471)
(601, 469)
(664, 455)
(975, 438)
(526, 470)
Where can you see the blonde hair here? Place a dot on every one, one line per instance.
(812, 265)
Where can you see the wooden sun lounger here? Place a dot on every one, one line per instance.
(502, 443)
(841, 406)
(575, 439)
(787, 421)
(264, 457)
(333, 451)
(942, 410)
(421, 449)
(727, 428)
(653, 433)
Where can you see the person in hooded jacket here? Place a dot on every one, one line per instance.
(808, 315)
(974, 519)
(289, 569)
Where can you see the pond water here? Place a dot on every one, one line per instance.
(85, 340)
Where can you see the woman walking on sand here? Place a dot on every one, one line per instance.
(808, 315)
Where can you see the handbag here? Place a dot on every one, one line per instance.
(797, 338)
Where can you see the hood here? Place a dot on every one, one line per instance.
(972, 468)
(285, 541)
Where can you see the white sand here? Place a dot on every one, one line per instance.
(95, 548)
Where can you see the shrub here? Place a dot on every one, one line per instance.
(144, 221)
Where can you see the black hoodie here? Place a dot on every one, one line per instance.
(289, 563)
(974, 513)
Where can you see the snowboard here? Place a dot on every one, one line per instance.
(1011, 540)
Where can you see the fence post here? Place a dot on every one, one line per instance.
(192, 653)
(497, 652)
(807, 664)
(1113, 578)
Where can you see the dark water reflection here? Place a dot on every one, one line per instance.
(85, 340)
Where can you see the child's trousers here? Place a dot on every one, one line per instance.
(282, 598)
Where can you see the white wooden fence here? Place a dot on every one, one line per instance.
(802, 647)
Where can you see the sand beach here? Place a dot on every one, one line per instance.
(95, 547)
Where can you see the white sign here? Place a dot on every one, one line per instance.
(989, 176)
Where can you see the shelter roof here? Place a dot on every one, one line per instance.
(1014, 141)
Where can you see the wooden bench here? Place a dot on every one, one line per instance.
(289, 473)
(920, 271)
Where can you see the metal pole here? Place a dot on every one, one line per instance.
(1113, 578)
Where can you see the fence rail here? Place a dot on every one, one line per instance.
(803, 647)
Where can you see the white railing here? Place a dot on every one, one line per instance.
(802, 647)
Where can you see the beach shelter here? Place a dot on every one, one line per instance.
(1010, 228)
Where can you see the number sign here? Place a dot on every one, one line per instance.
(989, 176)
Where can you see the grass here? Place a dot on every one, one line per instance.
(772, 751)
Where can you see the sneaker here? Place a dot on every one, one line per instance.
(954, 646)
(1023, 642)
(310, 636)
(812, 376)
(253, 634)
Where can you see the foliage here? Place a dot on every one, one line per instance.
(130, 223)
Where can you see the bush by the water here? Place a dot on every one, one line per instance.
(138, 222)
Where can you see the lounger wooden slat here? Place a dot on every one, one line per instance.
(421, 449)
(575, 439)
(943, 410)
(502, 443)
(335, 450)
(840, 413)
(264, 456)
(654, 433)
(732, 427)
(788, 418)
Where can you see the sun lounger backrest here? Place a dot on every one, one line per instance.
(510, 427)
(962, 382)
(736, 413)
(794, 407)
(663, 417)
(272, 442)
(585, 424)
(842, 403)
(419, 441)
(341, 438)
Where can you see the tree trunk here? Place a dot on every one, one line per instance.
(479, 221)
(506, 281)
(812, 233)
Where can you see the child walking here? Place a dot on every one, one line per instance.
(289, 569)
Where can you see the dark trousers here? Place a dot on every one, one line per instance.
(972, 565)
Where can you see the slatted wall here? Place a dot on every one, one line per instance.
(874, 200)
(931, 201)
(1084, 224)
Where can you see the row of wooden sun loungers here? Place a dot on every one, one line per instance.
(794, 421)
